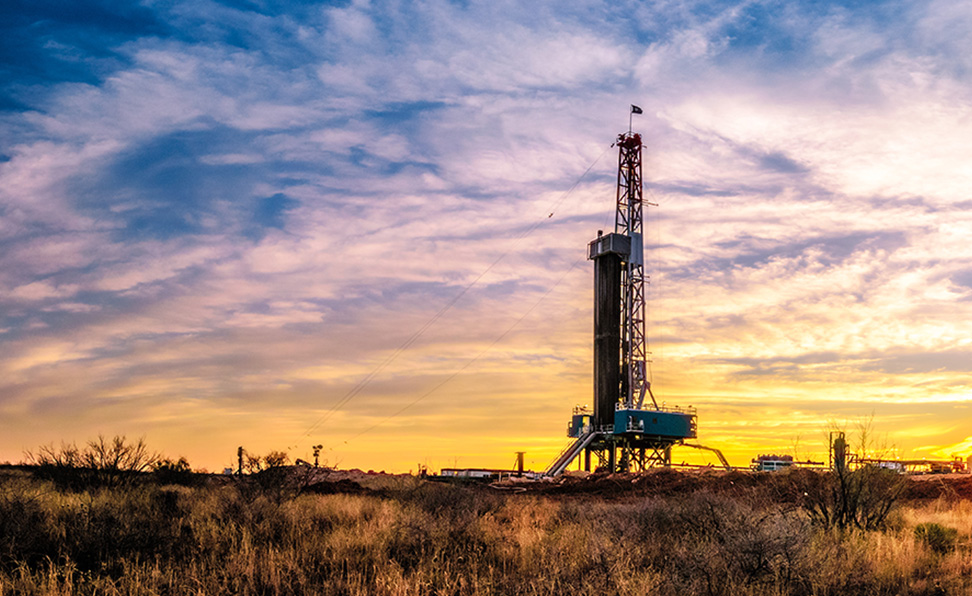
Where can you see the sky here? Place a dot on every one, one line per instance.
(363, 225)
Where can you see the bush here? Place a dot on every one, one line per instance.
(167, 471)
(100, 462)
(863, 498)
(731, 541)
(939, 538)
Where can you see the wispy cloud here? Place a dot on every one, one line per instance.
(215, 220)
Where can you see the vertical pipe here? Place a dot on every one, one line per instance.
(607, 337)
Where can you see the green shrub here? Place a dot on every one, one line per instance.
(938, 537)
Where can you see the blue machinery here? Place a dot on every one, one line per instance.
(622, 433)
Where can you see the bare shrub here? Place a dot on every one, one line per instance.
(117, 455)
(862, 498)
(101, 461)
(276, 459)
(254, 464)
(739, 542)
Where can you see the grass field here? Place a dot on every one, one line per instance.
(408, 536)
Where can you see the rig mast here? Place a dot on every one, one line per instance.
(620, 434)
(628, 221)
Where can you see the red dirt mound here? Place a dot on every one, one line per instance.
(937, 486)
(777, 486)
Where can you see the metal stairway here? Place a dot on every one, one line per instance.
(569, 453)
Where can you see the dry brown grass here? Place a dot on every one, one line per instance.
(426, 539)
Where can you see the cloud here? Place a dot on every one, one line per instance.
(219, 217)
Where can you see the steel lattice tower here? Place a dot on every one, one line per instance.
(629, 222)
(618, 432)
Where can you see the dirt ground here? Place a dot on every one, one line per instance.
(664, 482)
(934, 486)
(660, 483)
(670, 482)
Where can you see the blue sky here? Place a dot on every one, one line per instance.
(218, 218)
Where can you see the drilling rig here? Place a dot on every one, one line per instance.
(624, 432)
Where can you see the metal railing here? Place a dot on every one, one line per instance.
(570, 446)
(568, 454)
(589, 428)
(663, 408)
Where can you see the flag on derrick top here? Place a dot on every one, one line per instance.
(635, 109)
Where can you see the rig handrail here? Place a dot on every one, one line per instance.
(571, 451)
(673, 409)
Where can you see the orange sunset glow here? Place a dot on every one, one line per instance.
(364, 225)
